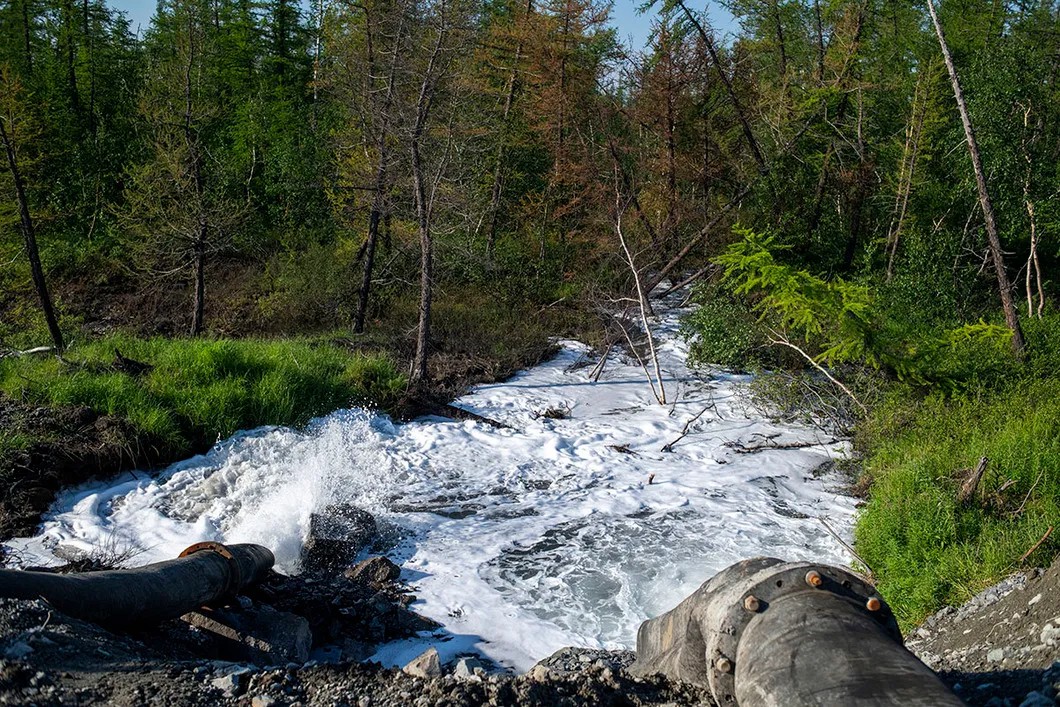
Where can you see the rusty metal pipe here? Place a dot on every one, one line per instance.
(765, 633)
(204, 573)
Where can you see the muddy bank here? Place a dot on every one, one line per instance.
(69, 446)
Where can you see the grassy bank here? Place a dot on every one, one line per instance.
(199, 390)
(926, 547)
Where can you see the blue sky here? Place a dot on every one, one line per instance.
(631, 25)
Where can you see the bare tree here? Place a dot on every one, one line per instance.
(383, 133)
(436, 67)
(9, 131)
(1008, 305)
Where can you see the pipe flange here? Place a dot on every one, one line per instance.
(235, 574)
(761, 584)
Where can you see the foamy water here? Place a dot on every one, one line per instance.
(519, 541)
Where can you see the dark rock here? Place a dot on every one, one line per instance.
(336, 536)
(374, 571)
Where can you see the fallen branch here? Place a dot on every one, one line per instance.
(669, 447)
(845, 544)
(783, 341)
(1036, 545)
(28, 352)
(770, 444)
(686, 282)
(599, 369)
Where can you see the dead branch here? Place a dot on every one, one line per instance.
(669, 447)
(660, 393)
(1036, 545)
(28, 352)
(845, 544)
(1026, 498)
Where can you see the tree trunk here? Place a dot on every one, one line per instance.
(195, 159)
(423, 213)
(1005, 287)
(199, 303)
(741, 114)
(29, 235)
(379, 196)
(423, 332)
(509, 101)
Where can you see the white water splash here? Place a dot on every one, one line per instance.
(519, 541)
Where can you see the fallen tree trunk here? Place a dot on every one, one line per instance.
(202, 574)
(765, 632)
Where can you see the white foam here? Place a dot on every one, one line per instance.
(519, 541)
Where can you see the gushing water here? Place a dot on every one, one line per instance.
(519, 540)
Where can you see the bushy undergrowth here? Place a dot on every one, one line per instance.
(936, 393)
(200, 389)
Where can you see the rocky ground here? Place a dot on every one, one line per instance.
(301, 641)
(50, 659)
(1003, 646)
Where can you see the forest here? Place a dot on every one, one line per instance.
(417, 194)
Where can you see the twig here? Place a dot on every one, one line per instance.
(669, 447)
(1028, 496)
(845, 544)
(1036, 545)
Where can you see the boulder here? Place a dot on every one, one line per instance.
(427, 665)
(466, 667)
(262, 636)
(336, 536)
(375, 571)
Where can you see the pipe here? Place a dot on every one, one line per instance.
(203, 573)
(766, 633)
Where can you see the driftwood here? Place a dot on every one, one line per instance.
(970, 485)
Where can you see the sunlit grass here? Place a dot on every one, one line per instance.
(200, 389)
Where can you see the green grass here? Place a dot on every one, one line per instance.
(928, 550)
(200, 389)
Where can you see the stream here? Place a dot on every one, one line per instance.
(518, 540)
